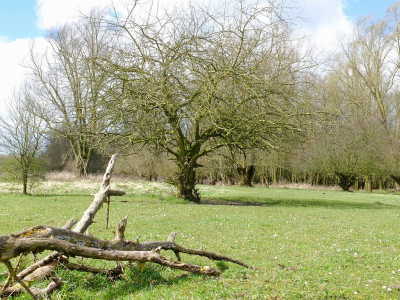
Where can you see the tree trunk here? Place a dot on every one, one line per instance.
(187, 163)
(356, 186)
(25, 182)
(346, 180)
(396, 181)
(187, 180)
(369, 184)
(82, 165)
(246, 174)
(83, 155)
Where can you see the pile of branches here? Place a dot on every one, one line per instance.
(67, 242)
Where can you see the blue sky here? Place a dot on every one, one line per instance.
(18, 19)
(356, 8)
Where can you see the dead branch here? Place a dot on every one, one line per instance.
(83, 224)
(16, 244)
(36, 292)
(115, 272)
(99, 198)
(12, 247)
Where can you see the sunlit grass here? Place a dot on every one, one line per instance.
(307, 244)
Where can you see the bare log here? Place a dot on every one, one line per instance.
(15, 246)
(35, 266)
(46, 260)
(10, 244)
(41, 273)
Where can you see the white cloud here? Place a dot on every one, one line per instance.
(57, 12)
(325, 21)
(12, 72)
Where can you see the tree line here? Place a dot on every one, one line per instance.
(230, 93)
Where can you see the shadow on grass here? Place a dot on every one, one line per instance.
(300, 203)
(105, 288)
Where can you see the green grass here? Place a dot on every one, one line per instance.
(307, 244)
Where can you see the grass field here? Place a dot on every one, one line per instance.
(306, 244)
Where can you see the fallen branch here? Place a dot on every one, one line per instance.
(115, 272)
(13, 247)
(15, 244)
(36, 292)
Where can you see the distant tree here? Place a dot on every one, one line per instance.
(68, 86)
(244, 161)
(347, 140)
(368, 73)
(21, 140)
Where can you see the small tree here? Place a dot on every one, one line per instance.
(21, 140)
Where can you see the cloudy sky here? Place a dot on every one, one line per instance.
(23, 21)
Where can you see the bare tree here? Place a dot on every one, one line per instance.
(68, 86)
(193, 80)
(21, 139)
(367, 77)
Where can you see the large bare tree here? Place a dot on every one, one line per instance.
(192, 80)
(68, 86)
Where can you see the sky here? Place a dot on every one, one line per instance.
(25, 21)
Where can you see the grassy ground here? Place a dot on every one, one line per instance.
(307, 244)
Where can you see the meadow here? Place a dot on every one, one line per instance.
(306, 244)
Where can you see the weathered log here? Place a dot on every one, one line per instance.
(82, 225)
(15, 246)
(11, 247)
(117, 271)
(46, 260)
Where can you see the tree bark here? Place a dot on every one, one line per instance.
(187, 181)
(346, 180)
(246, 174)
(396, 180)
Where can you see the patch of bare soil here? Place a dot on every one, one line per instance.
(232, 203)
